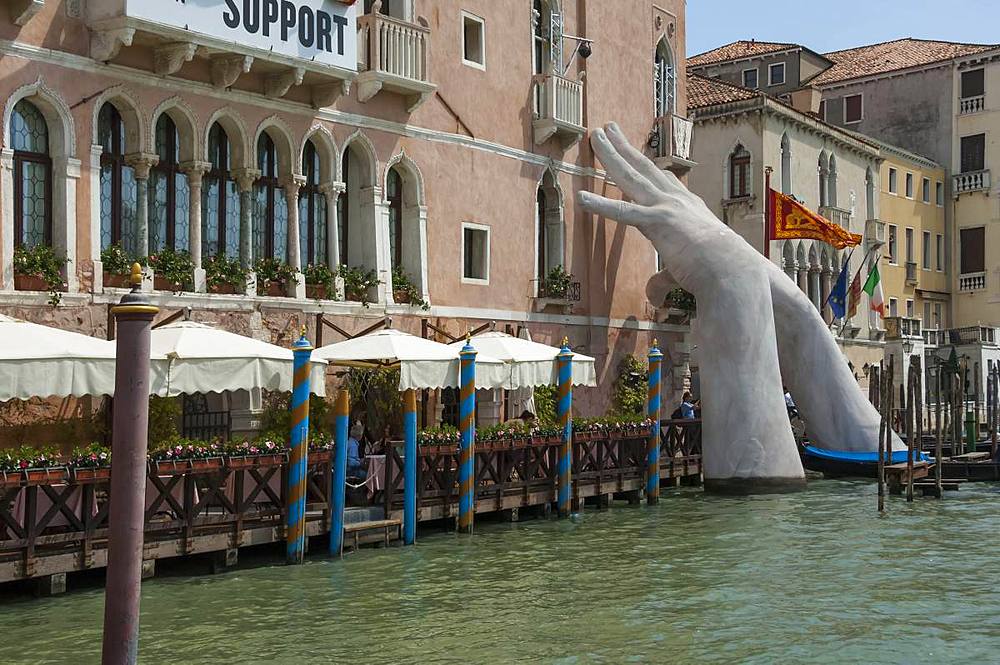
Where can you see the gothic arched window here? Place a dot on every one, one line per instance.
(118, 187)
(29, 137)
(169, 196)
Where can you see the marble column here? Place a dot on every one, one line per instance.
(195, 171)
(332, 191)
(825, 286)
(244, 183)
(814, 288)
(141, 163)
(296, 289)
(803, 280)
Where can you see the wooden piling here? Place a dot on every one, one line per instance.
(937, 439)
(911, 387)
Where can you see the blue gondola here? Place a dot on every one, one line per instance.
(839, 463)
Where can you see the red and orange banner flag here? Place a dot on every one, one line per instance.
(790, 219)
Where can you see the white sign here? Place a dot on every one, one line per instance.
(323, 31)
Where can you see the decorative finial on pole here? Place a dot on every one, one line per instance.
(565, 341)
(135, 279)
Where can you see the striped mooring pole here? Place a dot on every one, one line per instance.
(653, 408)
(564, 415)
(338, 470)
(467, 421)
(409, 467)
(295, 522)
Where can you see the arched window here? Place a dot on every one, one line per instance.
(831, 183)
(549, 225)
(540, 204)
(312, 210)
(118, 186)
(343, 211)
(739, 173)
(869, 193)
(220, 199)
(394, 198)
(664, 85)
(29, 137)
(823, 169)
(169, 195)
(270, 226)
(786, 165)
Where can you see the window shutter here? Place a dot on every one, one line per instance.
(973, 246)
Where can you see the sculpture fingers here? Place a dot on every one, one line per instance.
(630, 181)
(658, 286)
(622, 211)
(666, 183)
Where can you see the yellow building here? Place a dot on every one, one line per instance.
(914, 263)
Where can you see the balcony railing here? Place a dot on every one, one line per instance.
(874, 234)
(392, 56)
(973, 335)
(838, 216)
(558, 109)
(569, 292)
(897, 327)
(911, 272)
(671, 141)
(971, 104)
(972, 181)
(973, 281)
(934, 337)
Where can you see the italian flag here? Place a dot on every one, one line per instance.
(873, 287)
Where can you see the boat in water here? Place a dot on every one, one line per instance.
(840, 463)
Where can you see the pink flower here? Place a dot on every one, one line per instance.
(23, 464)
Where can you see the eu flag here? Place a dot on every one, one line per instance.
(838, 296)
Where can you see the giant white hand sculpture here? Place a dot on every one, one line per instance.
(747, 442)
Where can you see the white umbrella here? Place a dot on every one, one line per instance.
(522, 399)
(532, 364)
(41, 361)
(422, 363)
(203, 359)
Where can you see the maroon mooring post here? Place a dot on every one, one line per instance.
(133, 318)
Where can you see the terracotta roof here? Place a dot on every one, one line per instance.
(703, 91)
(736, 50)
(891, 56)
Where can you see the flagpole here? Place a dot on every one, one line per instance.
(767, 212)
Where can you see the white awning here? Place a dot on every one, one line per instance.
(422, 363)
(203, 359)
(41, 361)
(531, 364)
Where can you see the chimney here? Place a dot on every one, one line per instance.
(806, 100)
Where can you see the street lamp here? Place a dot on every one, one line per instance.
(907, 347)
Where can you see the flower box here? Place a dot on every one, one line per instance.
(320, 456)
(83, 474)
(46, 476)
(222, 288)
(116, 281)
(317, 292)
(439, 449)
(401, 297)
(164, 284)
(240, 462)
(11, 478)
(205, 464)
(272, 460)
(30, 283)
(275, 290)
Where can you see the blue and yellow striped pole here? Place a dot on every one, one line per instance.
(295, 522)
(467, 422)
(409, 467)
(563, 413)
(653, 446)
(338, 470)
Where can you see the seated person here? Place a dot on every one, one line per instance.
(527, 418)
(355, 469)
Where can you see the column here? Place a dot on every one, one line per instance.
(7, 201)
(814, 288)
(244, 182)
(803, 279)
(655, 360)
(297, 289)
(141, 162)
(332, 191)
(338, 470)
(824, 294)
(467, 425)
(195, 171)
(564, 408)
(409, 466)
(298, 453)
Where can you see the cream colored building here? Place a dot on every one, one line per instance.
(739, 133)
(976, 187)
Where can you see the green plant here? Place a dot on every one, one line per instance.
(164, 413)
(183, 449)
(557, 282)
(177, 267)
(357, 282)
(402, 284)
(503, 431)
(28, 457)
(43, 262)
(376, 398)
(545, 405)
(116, 261)
(88, 457)
(682, 300)
(276, 418)
(628, 397)
(273, 271)
(320, 274)
(221, 270)
(439, 436)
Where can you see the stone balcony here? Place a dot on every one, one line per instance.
(973, 281)
(874, 234)
(838, 216)
(392, 57)
(670, 142)
(967, 105)
(901, 327)
(558, 109)
(278, 51)
(971, 181)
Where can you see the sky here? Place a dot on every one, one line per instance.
(837, 24)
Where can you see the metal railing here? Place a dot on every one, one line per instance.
(968, 105)
(570, 292)
(559, 98)
(933, 337)
(973, 281)
(897, 327)
(672, 134)
(973, 335)
(971, 181)
(390, 46)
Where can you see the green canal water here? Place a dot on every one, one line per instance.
(814, 577)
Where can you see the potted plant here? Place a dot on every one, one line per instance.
(682, 300)
(36, 466)
(319, 452)
(39, 268)
(224, 274)
(404, 291)
(357, 283)
(182, 455)
(320, 281)
(91, 462)
(273, 277)
(439, 440)
(117, 266)
(557, 283)
(172, 270)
